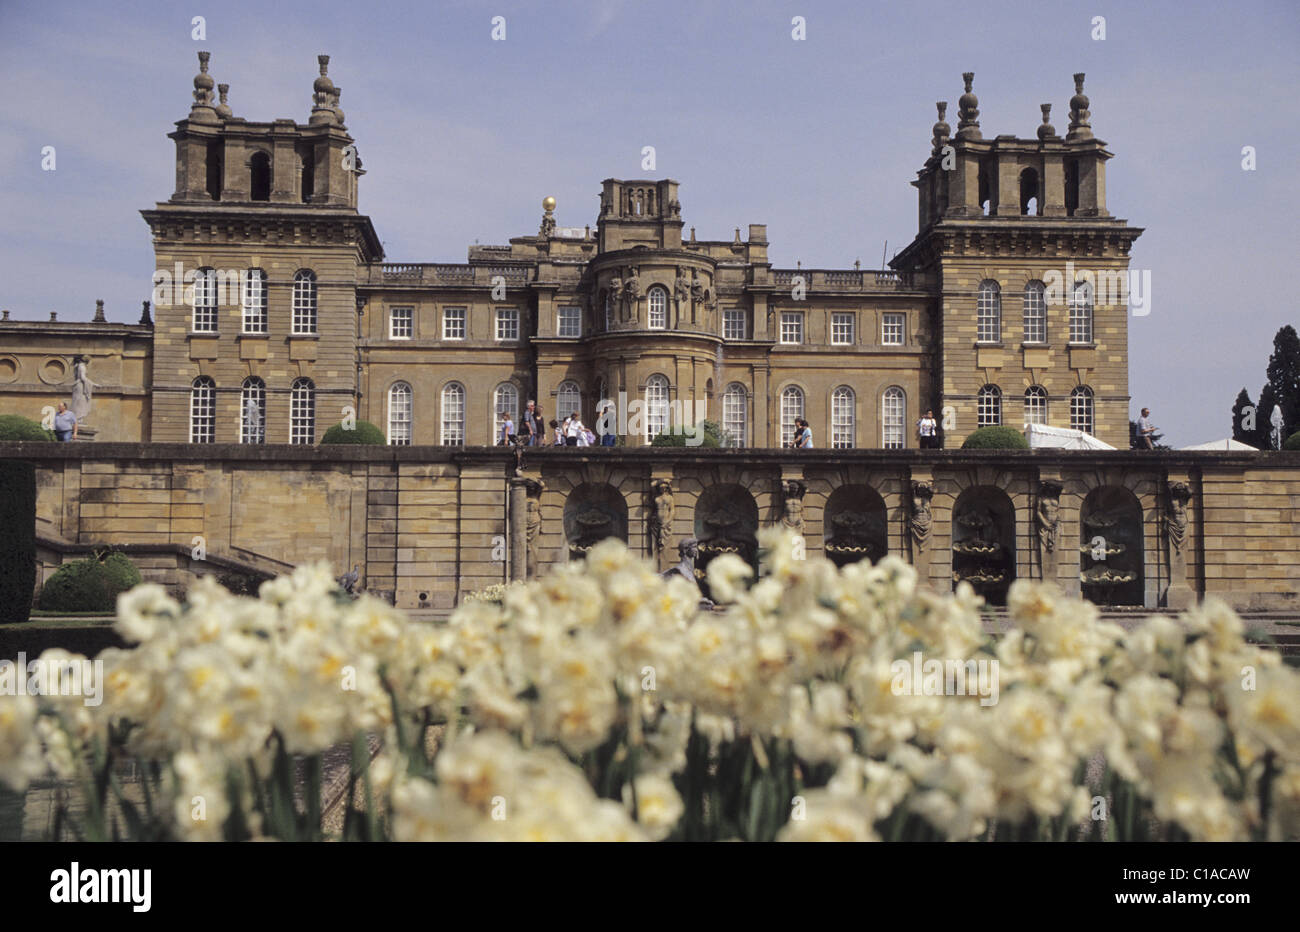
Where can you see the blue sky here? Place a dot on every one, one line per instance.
(463, 136)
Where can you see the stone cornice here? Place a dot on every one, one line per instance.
(265, 223)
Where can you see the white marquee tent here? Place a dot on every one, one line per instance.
(1040, 436)
(1226, 444)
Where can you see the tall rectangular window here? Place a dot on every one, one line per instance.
(1081, 313)
(401, 323)
(507, 323)
(453, 323)
(792, 327)
(205, 301)
(203, 410)
(842, 328)
(891, 329)
(1035, 313)
(304, 302)
(988, 319)
(254, 301)
(733, 324)
(302, 412)
(568, 322)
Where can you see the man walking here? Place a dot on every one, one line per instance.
(507, 430)
(65, 423)
(531, 427)
(1145, 430)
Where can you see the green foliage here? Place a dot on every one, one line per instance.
(1241, 432)
(363, 432)
(712, 436)
(1284, 376)
(996, 438)
(90, 585)
(17, 539)
(1292, 442)
(17, 427)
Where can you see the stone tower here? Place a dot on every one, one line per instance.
(258, 253)
(1031, 316)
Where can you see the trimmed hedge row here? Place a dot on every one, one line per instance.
(17, 539)
(996, 438)
(17, 427)
(90, 585)
(364, 432)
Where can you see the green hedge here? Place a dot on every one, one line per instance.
(996, 438)
(363, 432)
(712, 437)
(1292, 442)
(17, 539)
(90, 585)
(17, 427)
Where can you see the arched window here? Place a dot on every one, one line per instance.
(254, 301)
(453, 415)
(203, 410)
(400, 411)
(843, 418)
(1081, 413)
(893, 417)
(302, 412)
(1029, 193)
(1035, 312)
(304, 301)
(1081, 312)
(1035, 405)
(989, 410)
(205, 301)
(259, 173)
(568, 398)
(504, 400)
(252, 411)
(988, 323)
(658, 308)
(735, 414)
(791, 408)
(656, 406)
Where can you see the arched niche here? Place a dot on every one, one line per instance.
(726, 521)
(1111, 545)
(591, 514)
(854, 525)
(984, 542)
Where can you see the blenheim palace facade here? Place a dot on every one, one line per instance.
(275, 314)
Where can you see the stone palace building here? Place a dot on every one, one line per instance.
(275, 315)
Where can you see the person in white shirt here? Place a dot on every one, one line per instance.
(573, 430)
(803, 437)
(926, 430)
(1145, 431)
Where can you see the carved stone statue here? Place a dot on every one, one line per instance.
(688, 550)
(698, 292)
(82, 389)
(661, 519)
(533, 524)
(792, 499)
(1179, 495)
(681, 287)
(921, 520)
(632, 291)
(615, 293)
(1049, 514)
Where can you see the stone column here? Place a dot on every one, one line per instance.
(517, 518)
(1177, 501)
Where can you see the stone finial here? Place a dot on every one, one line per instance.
(334, 102)
(1046, 130)
(692, 234)
(547, 228)
(942, 131)
(54, 315)
(202, 110)
(968, 126)
(4, 315)
(1080, 128)
(144, 314)
(223, 108)
(324, 95)
(99, 312)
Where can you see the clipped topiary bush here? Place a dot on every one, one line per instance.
(363, 432)
(1292, 442)
(17, 427)
(996, 438)
(90, 585)
(712, 437)
(17, 539)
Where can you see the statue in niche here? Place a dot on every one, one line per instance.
(614, 294)
(792, 493)
(699, 294)
(533, 524)
(1179, 495)
(688, 551)
(681, 287)
(1049, 514)
(82, 389)
(661, 518)
(921, 518)
(632, 289)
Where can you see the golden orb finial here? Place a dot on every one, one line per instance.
(548, 203)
